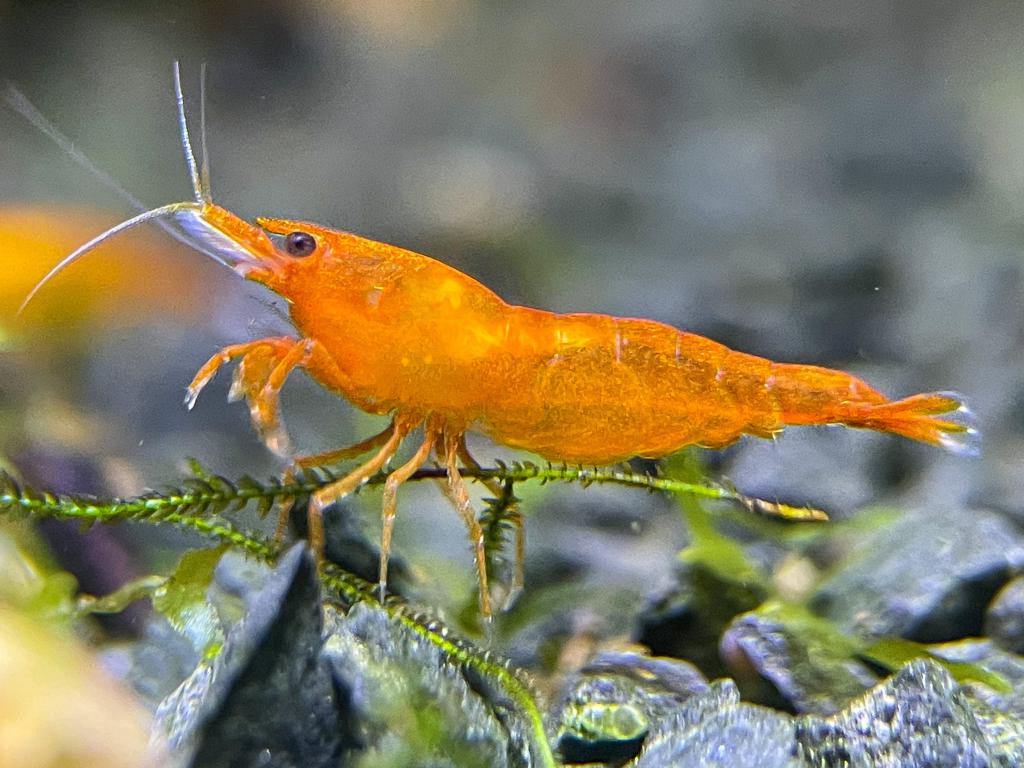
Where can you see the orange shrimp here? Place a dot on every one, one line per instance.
(395, 332)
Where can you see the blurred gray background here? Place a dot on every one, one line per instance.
(836, 183)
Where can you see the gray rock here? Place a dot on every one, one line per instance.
(715, 729)
(919, 718)
(268, 698)
(918, 580)
(1004, 620)
(1000, 714)
(160, 660)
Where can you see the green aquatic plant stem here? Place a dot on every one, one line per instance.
(206, 493)
(193, 508)
(197, 506)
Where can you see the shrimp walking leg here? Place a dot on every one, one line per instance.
(341, 488)
(390, 504)
(348, 452)
(460, 496)
(319, 460)
(513, 516)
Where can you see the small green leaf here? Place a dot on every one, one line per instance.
(55, 598)
(182, 599)
(714, 551)
(894, 652)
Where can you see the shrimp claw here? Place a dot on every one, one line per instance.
(262, 371)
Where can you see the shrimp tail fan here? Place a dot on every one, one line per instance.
(937, 418)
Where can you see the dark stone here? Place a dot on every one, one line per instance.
(268, 699)
(1004, 620)
(809, 667)
(688, 620)
(917, 580)
(615, 750)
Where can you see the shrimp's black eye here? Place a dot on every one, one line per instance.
(300, 243)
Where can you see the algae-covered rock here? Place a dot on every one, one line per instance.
(809, 664)
(661, 712)
(643, 712)
(302, 683)
(609, 707)
(412, 704)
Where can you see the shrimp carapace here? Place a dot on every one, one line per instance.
(399, 333)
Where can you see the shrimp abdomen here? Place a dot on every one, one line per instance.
(599, 389)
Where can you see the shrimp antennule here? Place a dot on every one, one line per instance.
(204, 170)
(200, 195)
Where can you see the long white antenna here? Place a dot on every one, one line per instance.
(197, 234)
(156, 213)
(186, 142)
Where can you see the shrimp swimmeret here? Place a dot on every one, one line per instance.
(395, 332)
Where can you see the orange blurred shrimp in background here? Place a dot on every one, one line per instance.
(395, 332)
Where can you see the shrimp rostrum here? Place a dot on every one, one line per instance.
(401, 334)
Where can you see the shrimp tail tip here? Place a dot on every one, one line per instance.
(966, 441)
(940, 418)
